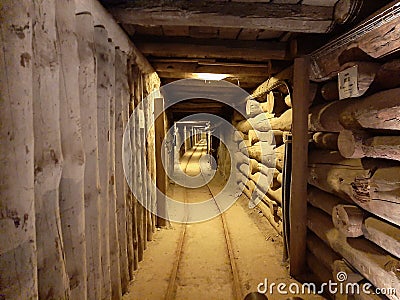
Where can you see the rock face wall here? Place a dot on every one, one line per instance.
(70, 79)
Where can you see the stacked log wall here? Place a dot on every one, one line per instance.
(354, 183)
(259, 136)
(69, 82)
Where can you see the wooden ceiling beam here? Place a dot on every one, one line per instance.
(233, 79)
(179, 68)
(212, 91)
(267, 16)
(222, 49)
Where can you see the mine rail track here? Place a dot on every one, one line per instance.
(171, 290)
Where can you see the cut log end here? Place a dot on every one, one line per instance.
(348, 220)
(349, 145)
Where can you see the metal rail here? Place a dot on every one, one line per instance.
(235, 274)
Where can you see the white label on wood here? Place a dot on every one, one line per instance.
(141, 118)
(348, 85)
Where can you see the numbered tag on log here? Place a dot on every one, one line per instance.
(348, 83)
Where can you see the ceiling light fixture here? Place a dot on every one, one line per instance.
(209, 76)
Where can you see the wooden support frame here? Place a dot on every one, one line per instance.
(298, 198)
(160, 172)
(280, 17)
(214, 49)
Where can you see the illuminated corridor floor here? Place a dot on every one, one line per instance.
(204, 270)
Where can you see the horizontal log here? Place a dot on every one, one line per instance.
(330, 91)
(323, 200)
(259, 122)
(284, 122)
(278, 137)
(261, 136)
(245, 170)
(367, 258)
(254, 166)
(272, 204)
(263, 153)
(238, 136)
(384, 235)
(246, 191)
(267, 170)
(217, 49)
(388, 76)
(371, 184)
(325, 117)
(275, 195)
(243, 145)
(279, 178)
(241, 178)
(288, 100)
(237, 117)
(366, 72)
(240, 158)
(321, 273)
(378, 111)
(372, 78)
(253, 107)
(361, 144)
(272, 83)
(274, 221)
(195, 67)
(375, 37)
(348, 219)
(279, 17)
(262, 181)
(276, 103)
(321, 251)
(275, 184)
(280, 155)
(326, 140)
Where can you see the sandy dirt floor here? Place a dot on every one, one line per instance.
(204, 270)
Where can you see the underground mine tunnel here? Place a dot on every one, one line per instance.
(221, 149)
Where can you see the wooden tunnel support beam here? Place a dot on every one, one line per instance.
(283, 17)
(298, 198)
(206, 48)
(160, 172)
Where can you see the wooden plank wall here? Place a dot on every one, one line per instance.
(73, 227)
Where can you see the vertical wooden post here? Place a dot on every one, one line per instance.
(114, 245)
(145, 189)
(298, 198)
(134, 123)
(148, 136)
(139, 147)
(71, 184)
(121, 102)
(160, 172)
(88, 106)
(18, 262)
(52, 274)
(103, 125)
(131, 201)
